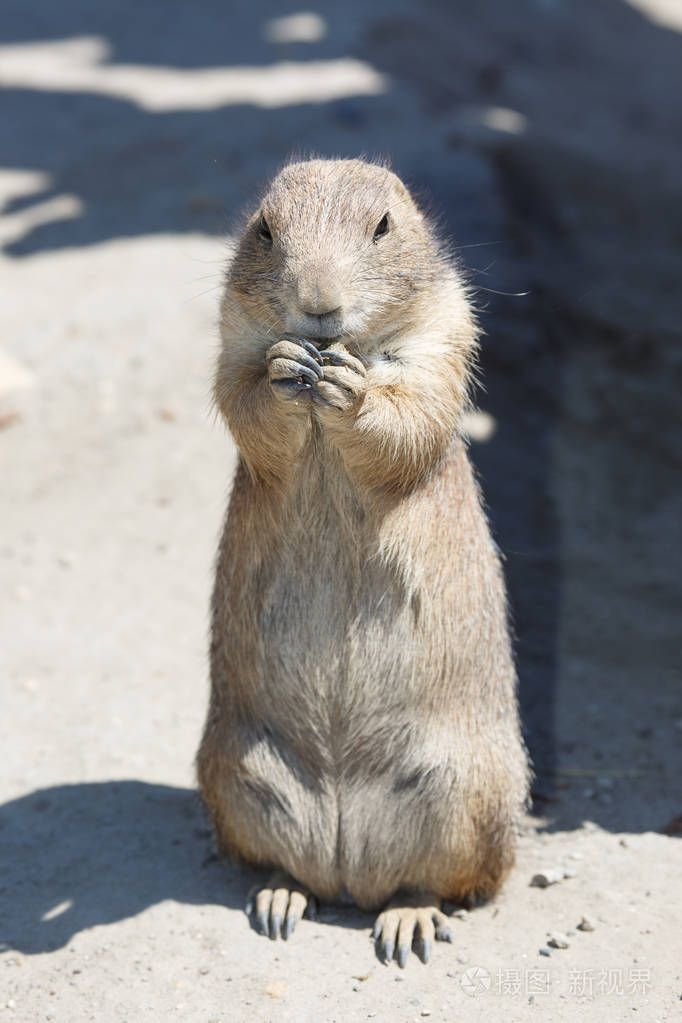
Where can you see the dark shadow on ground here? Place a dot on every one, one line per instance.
(96, 853)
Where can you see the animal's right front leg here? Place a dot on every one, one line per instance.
(266, 398)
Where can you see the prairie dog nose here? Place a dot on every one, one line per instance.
(319, 290)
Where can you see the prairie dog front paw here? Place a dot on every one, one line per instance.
(344, 383)
(294, 365)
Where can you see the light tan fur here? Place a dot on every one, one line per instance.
(363, 731)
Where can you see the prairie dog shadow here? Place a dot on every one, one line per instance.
(75, 856)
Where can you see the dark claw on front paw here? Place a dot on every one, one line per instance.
(275, 926)
(313, 352)
(313, 367)
(310, 374)
(289, 924)
(292, 384)
(310, 348)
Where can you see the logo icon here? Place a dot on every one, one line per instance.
(475, 980)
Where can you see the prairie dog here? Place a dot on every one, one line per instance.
(363, 734)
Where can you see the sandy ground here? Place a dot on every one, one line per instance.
(547, 134)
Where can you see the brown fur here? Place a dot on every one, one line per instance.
(362, 731)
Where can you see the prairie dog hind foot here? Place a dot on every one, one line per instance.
(276, 908)
(410, 921)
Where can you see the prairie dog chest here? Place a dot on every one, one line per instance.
(311, 576)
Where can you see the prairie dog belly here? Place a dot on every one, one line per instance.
(340, 662)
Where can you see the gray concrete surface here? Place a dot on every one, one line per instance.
(547, 135)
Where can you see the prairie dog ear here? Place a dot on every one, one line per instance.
(402, 197)
(401, 190)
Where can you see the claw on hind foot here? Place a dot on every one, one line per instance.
(410, 922)
(279, 906)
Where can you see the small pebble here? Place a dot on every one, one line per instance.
(544, 952)
(426, 1012)
(398, 978)
(11, 1004)
(462, 958)
(547, 877)
(569, 872)
(587, 923)
(276, 989)
(557, 940)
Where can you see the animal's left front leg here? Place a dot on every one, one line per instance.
(391, 422)
(410, 921)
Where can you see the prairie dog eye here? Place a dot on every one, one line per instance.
(264, 232)
(382, 228)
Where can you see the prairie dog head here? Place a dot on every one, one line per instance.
(336, 249)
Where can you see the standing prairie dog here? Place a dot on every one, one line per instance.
(362, 736)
